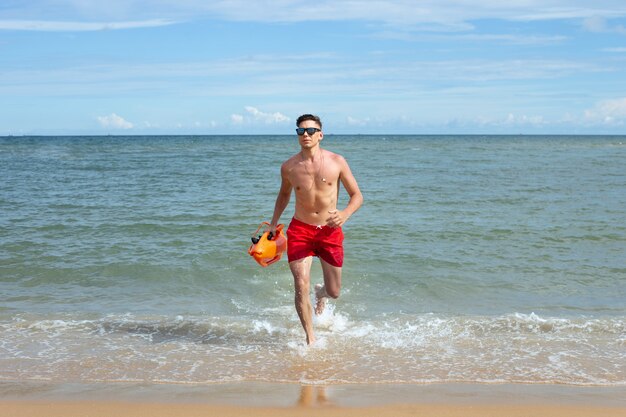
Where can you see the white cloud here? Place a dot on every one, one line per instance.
(434, 14)
(524, 120)
(278, 76)
(257, 116)
(599, 24)
(268, 118)
(595, 24)
(352, 121)
(236, 119)
(607, 112)
(114, 121)
(52, 26)
(428, 14)
(614, 50)
(509, 121)
(513, 39)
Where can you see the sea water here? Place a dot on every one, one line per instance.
(473, 259)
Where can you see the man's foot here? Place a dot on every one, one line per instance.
(320, 299)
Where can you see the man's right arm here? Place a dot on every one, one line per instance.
(284, 195)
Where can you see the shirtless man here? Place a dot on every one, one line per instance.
(315, 230)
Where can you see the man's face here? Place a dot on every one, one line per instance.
(309, 141)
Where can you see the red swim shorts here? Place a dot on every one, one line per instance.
(305, 240)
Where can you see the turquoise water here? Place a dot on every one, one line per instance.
(473, 259)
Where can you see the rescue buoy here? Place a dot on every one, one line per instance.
(267, 248)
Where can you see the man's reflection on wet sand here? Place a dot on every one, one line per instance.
(313, 396)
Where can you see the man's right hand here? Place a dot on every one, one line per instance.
(272, 230)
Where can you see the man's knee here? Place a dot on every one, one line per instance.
(333, 292)
(301, 285)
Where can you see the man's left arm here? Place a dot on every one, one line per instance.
(339, 217)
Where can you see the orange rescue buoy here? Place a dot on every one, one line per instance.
(266, 248)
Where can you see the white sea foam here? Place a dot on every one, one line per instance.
(263, 326)
(518, 347)
(330, 320)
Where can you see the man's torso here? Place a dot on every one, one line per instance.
(316, 186)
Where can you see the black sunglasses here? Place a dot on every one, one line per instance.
(310, 130)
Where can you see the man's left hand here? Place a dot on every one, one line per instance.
(336, 219)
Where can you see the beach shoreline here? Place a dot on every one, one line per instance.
(106, 409)
(27, 399)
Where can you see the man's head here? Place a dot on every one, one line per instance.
(309, 131)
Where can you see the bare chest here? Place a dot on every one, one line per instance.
(309, 178)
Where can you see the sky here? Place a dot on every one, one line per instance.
(138, 67)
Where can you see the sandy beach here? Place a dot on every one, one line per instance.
(106, 409)
(21, 399)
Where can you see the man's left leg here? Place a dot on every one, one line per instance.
(301, 270)
(331, 287)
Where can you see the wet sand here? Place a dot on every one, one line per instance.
(26, 399)
(103, 409)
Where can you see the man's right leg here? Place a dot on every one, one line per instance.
(331, 287)
(301, 270)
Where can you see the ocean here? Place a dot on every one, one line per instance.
(489, 259)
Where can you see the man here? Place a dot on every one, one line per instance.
(315, 230)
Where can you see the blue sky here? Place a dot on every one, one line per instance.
(240, 67)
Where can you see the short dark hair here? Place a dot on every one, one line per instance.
(313, 117)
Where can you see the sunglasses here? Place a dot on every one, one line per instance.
(310, 130)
